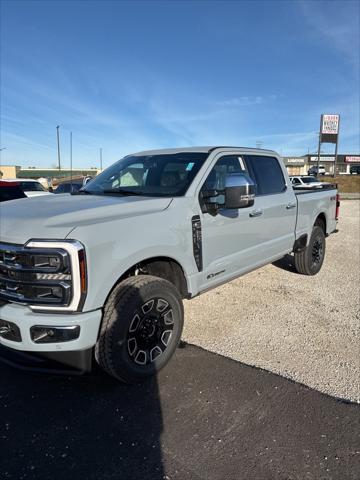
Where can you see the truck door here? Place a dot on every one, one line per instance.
(237, 241)
(277, 203)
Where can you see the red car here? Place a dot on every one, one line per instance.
(10, 191)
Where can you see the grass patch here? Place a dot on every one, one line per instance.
(346, 183)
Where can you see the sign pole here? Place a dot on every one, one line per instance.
(319, 147)
(336, 149)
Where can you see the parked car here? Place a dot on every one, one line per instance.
(314, 170)
(68, 187)
(31, 188)
(102, 274)
(303, 181)
(73, 186)
(355, 169)
(10, 191)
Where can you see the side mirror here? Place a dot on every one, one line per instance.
(239, 191)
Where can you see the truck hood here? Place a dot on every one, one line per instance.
(55, 216)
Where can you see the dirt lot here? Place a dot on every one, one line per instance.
(346, 183)
(304, 328)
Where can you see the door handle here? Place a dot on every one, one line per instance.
(290, 205)
(256, 213)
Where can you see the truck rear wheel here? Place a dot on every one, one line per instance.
(141, 328)
(309, 261)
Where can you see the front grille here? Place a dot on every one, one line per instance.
(35, 276)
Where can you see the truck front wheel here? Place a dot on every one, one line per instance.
(141, 328)
(309, 260)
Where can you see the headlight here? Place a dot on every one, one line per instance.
(46, 275)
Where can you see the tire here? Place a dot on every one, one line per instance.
(141, 328)
(309, 261)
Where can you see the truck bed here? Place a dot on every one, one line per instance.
(312, 201)
(325, 186)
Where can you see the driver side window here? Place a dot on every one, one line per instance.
(217, 177)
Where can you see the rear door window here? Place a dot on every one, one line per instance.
(266, 173)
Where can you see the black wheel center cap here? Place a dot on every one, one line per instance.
(147, 327)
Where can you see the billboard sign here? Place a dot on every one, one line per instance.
(352, 159)
(329, 128)
(330, 124)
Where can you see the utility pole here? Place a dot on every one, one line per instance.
(71, 160)
(1, 149)
(101, 160)
(58, 146)
(1, 173)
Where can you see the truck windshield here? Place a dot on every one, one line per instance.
(149, 175)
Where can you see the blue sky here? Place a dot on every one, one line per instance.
(128, 76)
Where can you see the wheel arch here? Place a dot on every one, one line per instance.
(163, 267)
(321, 221)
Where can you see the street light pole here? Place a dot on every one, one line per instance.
(71, 163)
(58, 146)
(100, 159)
(1, 149)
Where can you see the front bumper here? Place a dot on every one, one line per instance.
(24, 318)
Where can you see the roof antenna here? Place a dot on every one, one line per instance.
(259, 144)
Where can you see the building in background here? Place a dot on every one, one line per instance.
(301, 165)
(12, 171)
(296, 165)
(8, 171)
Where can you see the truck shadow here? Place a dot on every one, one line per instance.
(89, 427)
(217, 419)
(286, 263)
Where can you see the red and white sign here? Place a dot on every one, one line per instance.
(352, 159)
(330, 124)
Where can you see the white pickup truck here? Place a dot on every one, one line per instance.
(101, 274)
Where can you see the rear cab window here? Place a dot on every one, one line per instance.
(266, 173)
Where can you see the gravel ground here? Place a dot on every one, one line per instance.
(304, 328)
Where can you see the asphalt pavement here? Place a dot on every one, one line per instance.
(205, 417)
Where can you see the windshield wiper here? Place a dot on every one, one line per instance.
(122, 191)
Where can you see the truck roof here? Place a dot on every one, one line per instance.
(206, 149)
